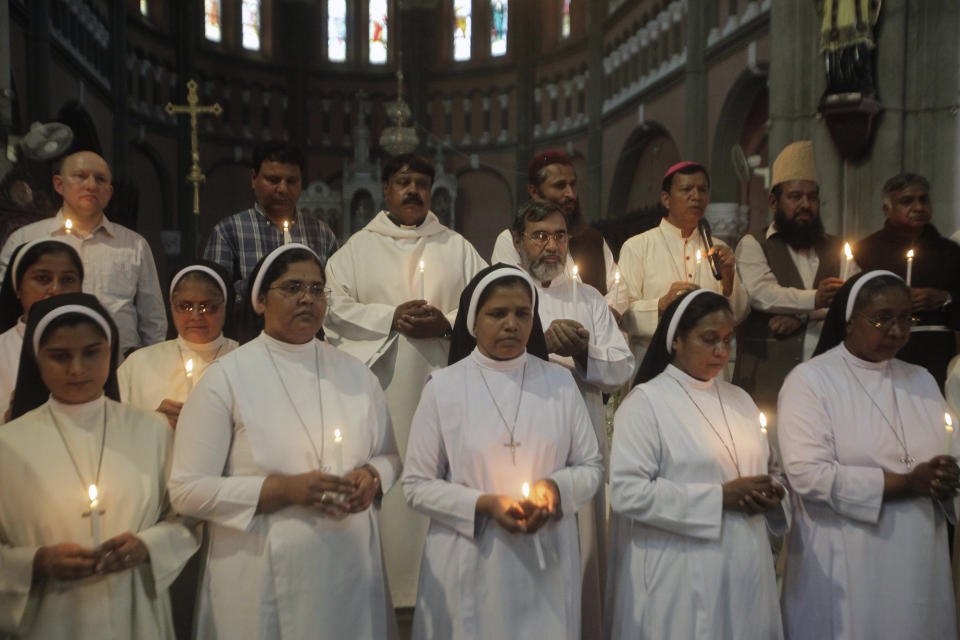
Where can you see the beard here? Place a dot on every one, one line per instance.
(799, 234)
(540, 270)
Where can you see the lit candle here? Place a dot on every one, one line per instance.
(696, 278)
(763, 424)
(847, 260)
(94, 515)
(909, 266)
(188, 370)
(68, 225)
(948, 426)
(421, 281)
(576, 279)
(338, 451)
(536, 535)
(616, 277)
(286, 232)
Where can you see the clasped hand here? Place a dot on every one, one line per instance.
(69, 561)
(752, 494)
(566, 337)
(333, 495)
(417, 319)
(939, 477)
(527, 515)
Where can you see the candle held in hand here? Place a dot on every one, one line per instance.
(948, 427)
(68, 225)
(94, 514)
(338, 451)
(909, 267)
(286, 232)
(847, 261)
(422, 284)
(188, 371)
(536, 536)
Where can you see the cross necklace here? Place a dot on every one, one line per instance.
(73, 459)
(901, 437)
(734, 456)
(303, 423)
(513, 444)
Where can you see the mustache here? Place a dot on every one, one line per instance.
(413, 199)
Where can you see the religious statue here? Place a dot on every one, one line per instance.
(847, 44)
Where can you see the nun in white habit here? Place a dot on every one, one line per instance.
(874, 472)
(695, 491)
(159, 377)
(500, 418)
(285, 448)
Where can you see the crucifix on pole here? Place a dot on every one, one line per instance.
(195, 175)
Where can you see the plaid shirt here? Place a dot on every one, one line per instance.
(241, 240)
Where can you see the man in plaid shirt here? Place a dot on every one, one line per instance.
(239, 241)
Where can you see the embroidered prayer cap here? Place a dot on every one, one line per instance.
(30, 391)
(795, 162)
(463, 340)
(834, 329)
(20, 260)
(545, 159)
(222, 281)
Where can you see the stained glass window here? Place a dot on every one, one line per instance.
(461, 29)
(250, 12)
(498, 27)
(211, 20)
(144, 9)
(565, 19)
(337, 30)
(378, 31)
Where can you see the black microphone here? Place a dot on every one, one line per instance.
(707, 238)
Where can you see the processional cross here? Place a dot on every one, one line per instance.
(195, 176)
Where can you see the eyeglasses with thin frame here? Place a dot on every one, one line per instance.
(886, 323)
(292, 288)
(203, 308)
(543, 237)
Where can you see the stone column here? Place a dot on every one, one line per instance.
(592, 201)
(695, 141)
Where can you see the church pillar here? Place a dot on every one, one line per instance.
(187, 15)
(695, 141)
(592, 204)
(38, 61)
(297, 24)
(917, 130)
(524, 38)
(417, 30)
(118, 85)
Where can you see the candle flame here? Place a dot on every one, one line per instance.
(189, 367)
(847, 251)
(286, 225)
(910, 254)
(68, 224)
(337, 437)
(525, 490)
(92, 492)
(421, 266)
(948, 422)
(699, 256)
(763, 423)
(576, 271)
(616, 276)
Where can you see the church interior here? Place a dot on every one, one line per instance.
(624, 87)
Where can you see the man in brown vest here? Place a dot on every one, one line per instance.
(551, 177)
(790, 272)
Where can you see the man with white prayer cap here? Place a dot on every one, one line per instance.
(791, 271)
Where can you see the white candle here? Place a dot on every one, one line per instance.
(909, 266)
(536, 535)
(338, 451)
(286, 232)
(948, 426)
(68, 225)
(576, 279)
(696, 278)
(421, 281)
(847, 260)
(616, 277)
(94, 515)
(188, 370)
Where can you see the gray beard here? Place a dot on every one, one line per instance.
(541, 271)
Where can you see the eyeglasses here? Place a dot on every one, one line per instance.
(886, 323)
(543, 237)
(202, 308)
(292, 288)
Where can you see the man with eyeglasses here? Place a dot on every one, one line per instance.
(935, 274)
(552, 178)
(117, 262)
(582, 335)
(396, 286)
(791, 273)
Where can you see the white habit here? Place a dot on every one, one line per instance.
(375, 271)
(42, 502)
(655, 259)
(293, 573)
(681, 566)
(477, 581)
(505, 251)
(158, 372)
(609, 366)
(858, 566)
(11, 342)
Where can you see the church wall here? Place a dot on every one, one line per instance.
(484, 207)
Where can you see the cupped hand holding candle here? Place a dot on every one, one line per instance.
(948, 427)
(910, 255)
(94, 514)
(536, 535)
(847, 261)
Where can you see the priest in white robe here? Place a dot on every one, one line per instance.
(695, 490)
(284, 448)
(661, 264)
(497, 420)
(71, 568)
(159, 377)
(38, 269)
(866, 452)
(582, 336)
(394, 291)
